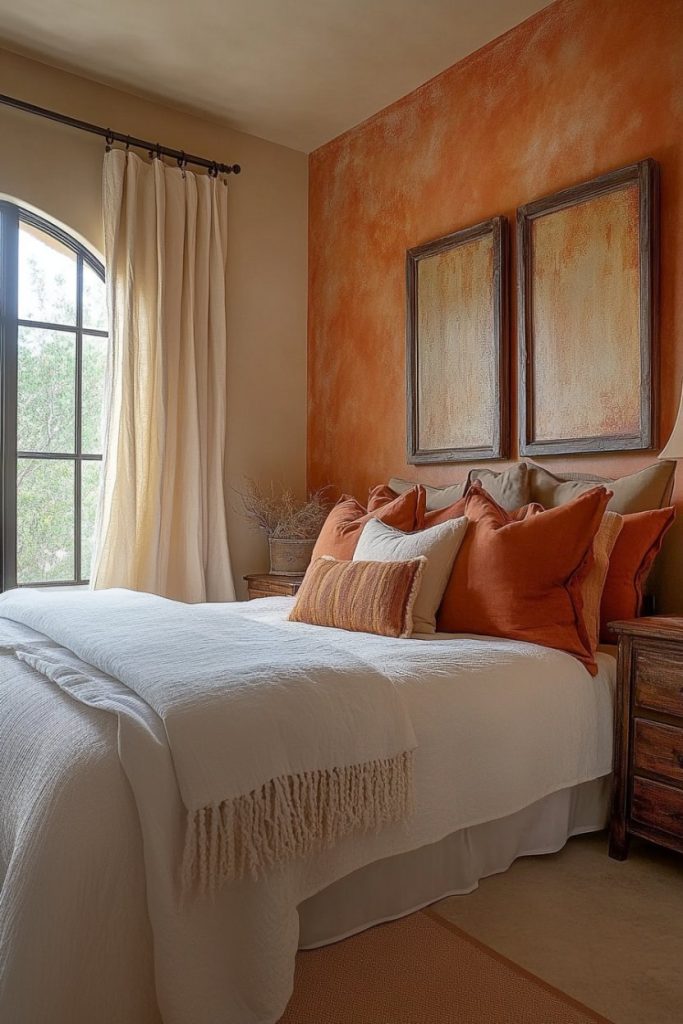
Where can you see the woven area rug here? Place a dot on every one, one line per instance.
(422, 970)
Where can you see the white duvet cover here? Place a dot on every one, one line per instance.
(280, 745)
(498, 725)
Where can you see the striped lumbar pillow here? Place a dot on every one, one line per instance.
(366, 597)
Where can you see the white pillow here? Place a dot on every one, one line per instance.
(439, 544)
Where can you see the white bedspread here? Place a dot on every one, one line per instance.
(498, 725)
(280, 743)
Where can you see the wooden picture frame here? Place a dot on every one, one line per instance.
(458, 394)
(587, 308)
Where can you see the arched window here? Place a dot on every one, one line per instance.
(53, 352)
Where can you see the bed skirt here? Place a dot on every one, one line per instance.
(396, 886)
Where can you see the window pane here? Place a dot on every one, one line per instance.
(46, 382)
(47, 278)
(45, 520)
(92, 391)
(90, 483)
(94, 300)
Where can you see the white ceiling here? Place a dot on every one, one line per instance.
(297, 72)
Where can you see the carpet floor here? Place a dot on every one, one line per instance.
(422, 970)
(609, 933)
(539, 944)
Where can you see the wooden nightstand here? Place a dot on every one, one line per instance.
(648, 758)
(272, 584)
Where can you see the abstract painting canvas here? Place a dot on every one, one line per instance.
(587, 316)
(457, 365)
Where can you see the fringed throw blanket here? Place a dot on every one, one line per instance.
(282, 741)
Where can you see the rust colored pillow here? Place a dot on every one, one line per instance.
(344, 524)
(442, 515)
(457, 509)
(521, 578)
(636, 548)
(594, 579)
(366, 597)
(381, 495)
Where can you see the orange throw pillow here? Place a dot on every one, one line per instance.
(344, 524)
(593, 580)
(379, 496)
(521, 578)
(457, 509)
(442, 515)
(636, 548)
(366, 597)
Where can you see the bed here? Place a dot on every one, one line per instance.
(513, 755)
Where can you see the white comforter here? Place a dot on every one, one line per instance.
(498, 726)
(280, 745)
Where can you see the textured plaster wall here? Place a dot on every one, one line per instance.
(581, 88)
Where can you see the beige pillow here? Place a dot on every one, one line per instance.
(508, 488)
(648, 489)
(594, 583)
(439, 544)
(437, 497)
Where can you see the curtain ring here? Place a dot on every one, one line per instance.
(182, 162)
(109, 140)
(127, 143)
(213, 170)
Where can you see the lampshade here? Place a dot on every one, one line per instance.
(674, 447)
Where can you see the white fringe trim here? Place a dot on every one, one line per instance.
(292, 816)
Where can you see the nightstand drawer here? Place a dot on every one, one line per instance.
(255, 592)
(272, 584)
(657, 806)
(658, 749)
(659, 681)
(647, 799)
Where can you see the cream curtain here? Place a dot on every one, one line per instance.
(162, 513)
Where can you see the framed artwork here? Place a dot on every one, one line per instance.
(457, 346)
(587, 288)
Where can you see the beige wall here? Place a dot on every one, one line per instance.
(58, 170)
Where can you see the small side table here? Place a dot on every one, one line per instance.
(648, 766)
(272, 584)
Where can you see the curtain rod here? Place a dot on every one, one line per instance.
(154, 148)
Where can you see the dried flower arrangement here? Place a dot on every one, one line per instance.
(279, 513)
(290, 524)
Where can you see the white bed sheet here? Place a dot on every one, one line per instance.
(496, 718)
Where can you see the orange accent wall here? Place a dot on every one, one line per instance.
(581, 88)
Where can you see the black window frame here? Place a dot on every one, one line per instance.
(11, 216)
